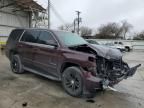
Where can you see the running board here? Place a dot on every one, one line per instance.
(44, 75)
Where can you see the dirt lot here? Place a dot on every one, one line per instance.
(32, 91)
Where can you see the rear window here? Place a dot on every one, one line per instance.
(13, 38)
(30, 36)
(15, 34)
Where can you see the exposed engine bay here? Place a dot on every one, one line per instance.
(110, 66)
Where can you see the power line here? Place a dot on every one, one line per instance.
(48, 14)
(57, 14)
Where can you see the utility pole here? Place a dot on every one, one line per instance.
(74, 25)
(78, 13)
(48, 14)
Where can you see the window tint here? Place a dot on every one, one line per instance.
(46, 38)
(15, 34)
(30, 36)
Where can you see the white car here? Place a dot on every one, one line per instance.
(117, 46)
(92, 41)
(127, 45)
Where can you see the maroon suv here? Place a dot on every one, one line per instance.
(66, 57)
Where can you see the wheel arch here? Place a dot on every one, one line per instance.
(68, 64)
(12, 52)
(127, 46)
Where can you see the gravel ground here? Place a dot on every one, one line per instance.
(32, 91)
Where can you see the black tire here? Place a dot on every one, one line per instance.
(127, 49)
(16, 65)
(72, 81)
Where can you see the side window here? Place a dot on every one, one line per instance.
(30, 36)
(15, 34)
(115, 42)
(46, 38)
(120, 43)
(92, 42)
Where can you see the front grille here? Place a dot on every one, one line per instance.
(117, 64)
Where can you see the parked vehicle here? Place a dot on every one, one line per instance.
(128, 47)
(117, 46)
(66, 57)
(92, 41)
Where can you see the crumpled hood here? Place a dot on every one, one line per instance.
(107, 52)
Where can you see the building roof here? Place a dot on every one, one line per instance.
(29, 5)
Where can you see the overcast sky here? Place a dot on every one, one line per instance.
(97, 12)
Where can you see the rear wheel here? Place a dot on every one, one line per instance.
(72, 81)
(16, 64)
(127, 49)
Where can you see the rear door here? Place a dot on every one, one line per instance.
(46, 55)
(26, 45)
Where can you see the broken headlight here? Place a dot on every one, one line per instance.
(92, 70)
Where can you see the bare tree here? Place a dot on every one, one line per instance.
(114, 30)
(85, 31)
(66, 27)
(61, 27)
(139, 36)
(126, 27)
(110, 30)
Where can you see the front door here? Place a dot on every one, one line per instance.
(46, 55)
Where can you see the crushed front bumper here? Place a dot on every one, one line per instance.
(132, 71)
(93, 83)
(129, 73)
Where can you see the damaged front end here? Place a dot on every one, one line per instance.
(110, 68)
(113, 71)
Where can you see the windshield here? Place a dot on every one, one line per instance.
(70, 39)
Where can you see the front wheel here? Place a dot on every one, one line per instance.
(72, 81)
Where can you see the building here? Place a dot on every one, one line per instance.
(16, 14)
